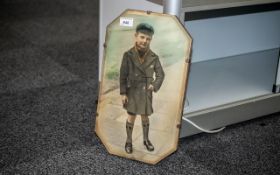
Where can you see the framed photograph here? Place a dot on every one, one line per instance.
(141, 94)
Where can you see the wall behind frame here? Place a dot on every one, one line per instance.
(111, 9)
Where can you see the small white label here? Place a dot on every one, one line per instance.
(128, 22)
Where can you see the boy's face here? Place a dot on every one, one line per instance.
(142, 41)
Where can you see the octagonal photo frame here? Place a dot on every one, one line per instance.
(144, 85)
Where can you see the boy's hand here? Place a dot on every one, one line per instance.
(124, 99)
(151, 87)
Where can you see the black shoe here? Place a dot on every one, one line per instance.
(128, 148)
(149, 145)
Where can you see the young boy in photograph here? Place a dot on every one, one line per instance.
(141, 74)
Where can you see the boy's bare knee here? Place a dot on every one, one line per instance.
(131, 118)
(145, 118)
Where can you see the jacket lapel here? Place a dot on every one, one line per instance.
(135, 60)
(149, 58)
